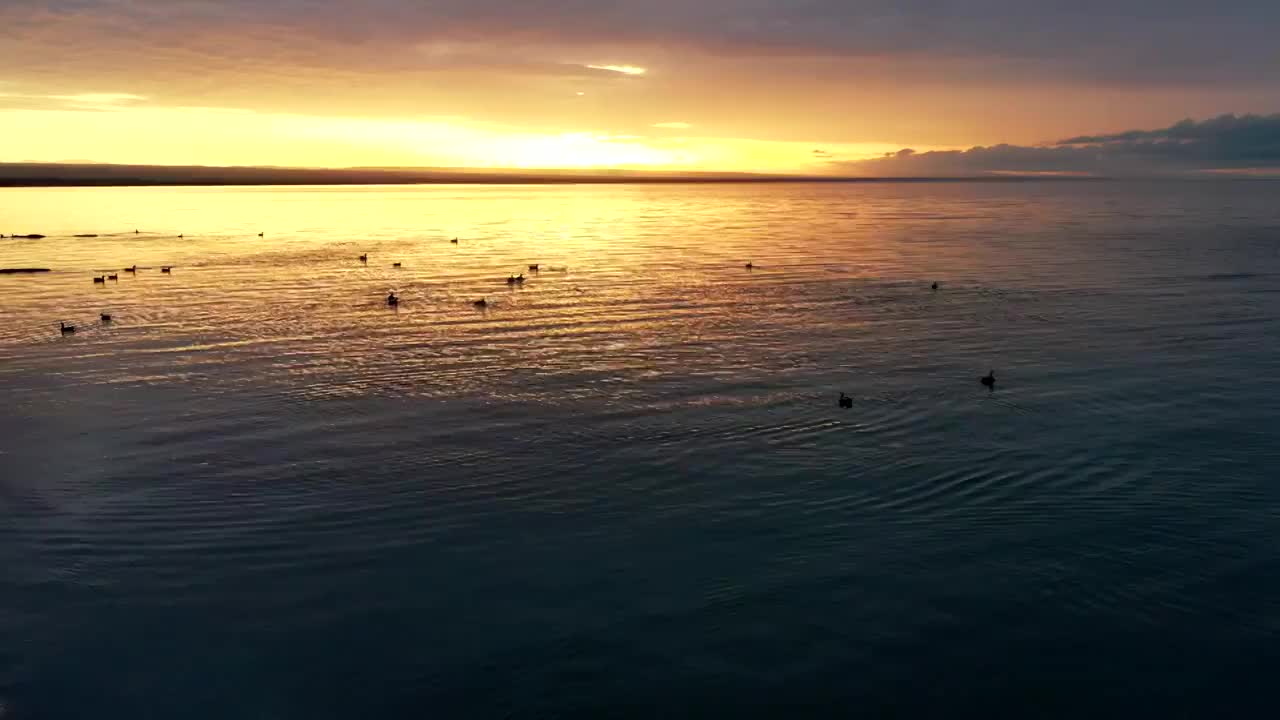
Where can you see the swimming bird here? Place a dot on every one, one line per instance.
(481, 303)
(135, 231)
(114, 276)
(364, 258)
(259, 234)
(395, 264)
(165, 269)
(989, 379)
(935, 286)
(179, 235)
(393, 300)
(845, 401)
(67, 329)
(106, 317)
(749, 266)
(101, 279)
(133, 269)
(533, 268)
(520, 279)
(454, 241)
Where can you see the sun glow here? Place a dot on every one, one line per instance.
(148, 134)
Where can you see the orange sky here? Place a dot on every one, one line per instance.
(735, 85)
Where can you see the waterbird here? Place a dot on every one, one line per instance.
(395, 264)
(481, 303)
(989, 379)
(511, 279)
(114, 276)
(533, 268)
(454, 241)
(165, 269)
(393, 300)
(135, 231)
(364, 258)
(100, 279)
(133, 269)
(935, 285)
(845, 401)
(67, 329)
(749, 266)
(520, 279)
(106, 317)
(259, 234)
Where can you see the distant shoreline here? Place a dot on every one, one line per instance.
(16, 175)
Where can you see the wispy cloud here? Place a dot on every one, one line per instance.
(623, 69)
(99, 98)
(79, 101)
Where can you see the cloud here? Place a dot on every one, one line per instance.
(1223, 143)
(673, 125)
(623, 69)
(99, 98)
(819, 72)
(1102, 41)
(106, 101)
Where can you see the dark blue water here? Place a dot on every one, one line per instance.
(625, 488)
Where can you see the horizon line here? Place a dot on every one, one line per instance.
(93, 174)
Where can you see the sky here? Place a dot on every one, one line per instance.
(857, 87)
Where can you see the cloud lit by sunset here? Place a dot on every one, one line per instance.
(728, 85)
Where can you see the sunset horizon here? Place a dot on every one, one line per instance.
(1182, 149)
(579, 359)
(729, 86)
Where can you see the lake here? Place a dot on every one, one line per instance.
(624, 487)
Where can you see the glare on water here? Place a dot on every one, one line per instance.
(630, 471)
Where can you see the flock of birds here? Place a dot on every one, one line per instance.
(844, 401)
(103, 278)
(512, 281)
(392, 299)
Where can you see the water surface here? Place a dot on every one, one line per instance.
(624, 488)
